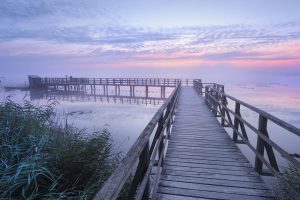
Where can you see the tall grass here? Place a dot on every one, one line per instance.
(42, 160)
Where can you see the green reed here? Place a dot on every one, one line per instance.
(39, 159)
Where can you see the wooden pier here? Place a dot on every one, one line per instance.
(202, 162)
(185, 152)
(73, 84)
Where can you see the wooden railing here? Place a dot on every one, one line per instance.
(216, 99)
(112, 81)
(144, 153)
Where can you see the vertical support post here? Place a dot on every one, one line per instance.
(133, 90)
(262, 127)
(141, 170)
(147, 90)
(168, 112)
(261, 145)
(146, 165)
(236, 121)
(94, 84)
(206, 95)
(161, 144)
(201, 87)
(223, 104)
(214, 104)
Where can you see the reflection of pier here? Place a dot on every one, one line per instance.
(85, 97)
(94, 85)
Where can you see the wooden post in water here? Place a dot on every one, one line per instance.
(104, 90)
(133, 90)
(147, 91)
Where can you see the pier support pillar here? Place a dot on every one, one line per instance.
(147, 90)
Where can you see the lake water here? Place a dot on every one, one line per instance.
(280, 100)
(127, 118)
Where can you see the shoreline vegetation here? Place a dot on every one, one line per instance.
(42, 159)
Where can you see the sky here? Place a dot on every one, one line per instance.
(160, 38)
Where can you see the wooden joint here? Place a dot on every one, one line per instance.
(240, 142)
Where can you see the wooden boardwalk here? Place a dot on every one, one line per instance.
(202, 162)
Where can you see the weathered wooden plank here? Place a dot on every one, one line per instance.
(203, 150)
(216, 188)
(202, 147)
(220, 182)
(209, 162)
(210, 166)
(204, 139)
(177, 197)
(206, 158)
(252, 178)
(206, 153)
(203, 143)
(210, 170)
(207, 194)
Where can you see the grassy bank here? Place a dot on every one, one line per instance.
(42, 160)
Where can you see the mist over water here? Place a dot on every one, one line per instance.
(274, 91)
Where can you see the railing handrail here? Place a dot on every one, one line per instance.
(269, 116)
(117, 81)
(114, 184)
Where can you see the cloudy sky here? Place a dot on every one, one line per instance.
(42, 36)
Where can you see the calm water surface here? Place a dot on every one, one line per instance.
(126, 119)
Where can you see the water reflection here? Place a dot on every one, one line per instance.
(125, 116)
(86, 97)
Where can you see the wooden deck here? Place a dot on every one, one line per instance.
(202, 162)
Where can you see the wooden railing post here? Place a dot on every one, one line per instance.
(161, 144)
(157, 133)
(236, 121)
(206, 95)
(262, 127)
(201, 87)
(223, 104)
(142, 167)
(213, 102)
(146, 161)
(171, 118)
(261, 145)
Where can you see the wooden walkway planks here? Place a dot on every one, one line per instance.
(202, 162)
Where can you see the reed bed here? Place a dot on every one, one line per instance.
(41, 159)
